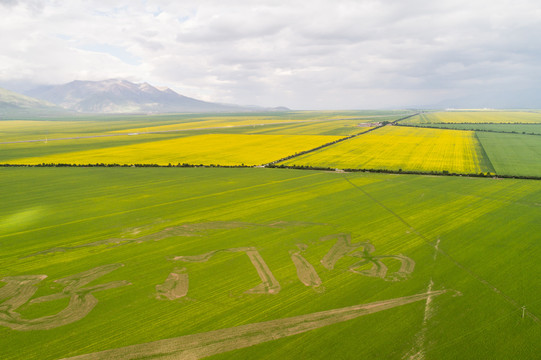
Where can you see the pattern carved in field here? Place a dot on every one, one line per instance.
(343, 247)
(19, 289)
(306, 272)
(269, 284)
(175, 286)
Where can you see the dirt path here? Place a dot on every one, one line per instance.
(202, 345)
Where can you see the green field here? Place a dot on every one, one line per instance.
(525, 129)
(513, 154)
(262, 263)
(475, 237)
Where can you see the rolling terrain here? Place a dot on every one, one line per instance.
(122, 96)
(16, 106)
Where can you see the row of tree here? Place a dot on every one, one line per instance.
(281, 166)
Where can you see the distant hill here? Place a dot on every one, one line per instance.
(121, 96)
(15, 106)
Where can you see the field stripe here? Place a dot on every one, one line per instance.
(158, 205)
(486, 159)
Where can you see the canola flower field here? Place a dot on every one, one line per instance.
(406, 148)
(284, 136)
(222, 149)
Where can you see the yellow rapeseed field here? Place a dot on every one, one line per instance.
(406, 148)
(218, 149)
(460, 117)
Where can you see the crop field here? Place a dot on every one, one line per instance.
(262, 263)
(334, 127)
(406, 148)
(87, 125)
(223, 149)
(44, 148)
(286, 127)
(220, 122)
(105, 263)
(513, 154)
(526, 129)
(476, 117)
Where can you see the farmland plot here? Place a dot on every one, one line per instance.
(266, 263)
(513, 154)
(223, 149)
(406, 148)
(498, 117)
(525, 129)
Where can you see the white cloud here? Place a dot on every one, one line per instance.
(318, 54)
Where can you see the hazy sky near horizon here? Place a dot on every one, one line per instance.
(318, 54)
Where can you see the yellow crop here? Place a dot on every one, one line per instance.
(406, 148)
(499, 117)
(219, 149)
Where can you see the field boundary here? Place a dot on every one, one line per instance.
(385, 123)
(484, 154)
(481, 130)
(294, 167)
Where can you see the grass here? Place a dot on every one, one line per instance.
(223, 149)
(513, 154)
(459, 117)
(406, 148)
(508, 128)
(60, 222)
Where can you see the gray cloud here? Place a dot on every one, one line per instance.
(330, 54)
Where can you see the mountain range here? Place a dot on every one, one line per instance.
(122, 96)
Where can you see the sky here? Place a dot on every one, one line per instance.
(310, 54)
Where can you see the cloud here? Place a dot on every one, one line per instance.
(331, 54)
